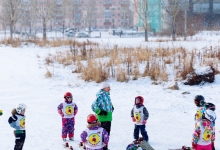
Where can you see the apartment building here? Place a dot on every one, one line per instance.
(101, 14)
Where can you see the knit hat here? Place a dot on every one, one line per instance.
(104, 85)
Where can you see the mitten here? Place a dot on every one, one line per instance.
(15, 118)
(193, 145)
(133, 119)
(12, 119)
(103, 113)
(113, 108)
(144, 121)
(1, 112)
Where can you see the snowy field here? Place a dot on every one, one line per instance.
(22, 80)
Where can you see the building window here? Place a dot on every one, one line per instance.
(118, 14)
(118, 20)
(107, 20)
(100, 20)
(108, 14)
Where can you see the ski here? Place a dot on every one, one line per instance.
(66, 145)
(183, 148)
(145, 145)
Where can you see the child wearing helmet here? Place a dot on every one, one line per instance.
(139, 115)
(204, 134)
(17, 121)
(68, 110)
(199, 101)
(210, 106)
(95, 137)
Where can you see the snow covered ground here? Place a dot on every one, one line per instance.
(22, 79)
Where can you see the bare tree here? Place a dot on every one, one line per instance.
(11, 13)
(90, 13)
(172, 7)
(126, 13)
(144, 11)
(73, 11)
(45, 10)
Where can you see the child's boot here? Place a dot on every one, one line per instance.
(71, 139)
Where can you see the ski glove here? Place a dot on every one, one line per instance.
(113, 108)
(194, 145)
(1, 112)
(12, 119)
(103, 113)
(133, 119)
(144, 121)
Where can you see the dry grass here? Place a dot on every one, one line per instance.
(48, 74)
(98, 64)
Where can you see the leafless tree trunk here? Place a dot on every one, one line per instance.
(73, 11)
(185, 21)
(143, 12)
(11, 13)
(45, 10)
(126, 13)
(90, 13)
(172, 7)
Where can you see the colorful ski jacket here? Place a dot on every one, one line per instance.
(95, 137)
(204, 133)
(140, 113)
(103, 103)
(67, 110)
(199, 112)
(17, 121)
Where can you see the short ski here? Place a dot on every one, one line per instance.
(183, 148)
(66, 145)
(145, 145)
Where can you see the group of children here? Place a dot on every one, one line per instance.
(96, 138)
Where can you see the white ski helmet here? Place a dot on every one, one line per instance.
(20, 107)
(210, 115)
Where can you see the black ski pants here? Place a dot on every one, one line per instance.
(141, 128)
(107, 126)
(20, 136)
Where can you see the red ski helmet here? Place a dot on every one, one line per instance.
(67, 94)
(139, 98)
(91, 119)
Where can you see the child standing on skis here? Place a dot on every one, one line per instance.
(204, 134)
(139, 115)
(68, 110)
(95, 137)
(17, 121)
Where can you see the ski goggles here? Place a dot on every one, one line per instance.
(69, 97)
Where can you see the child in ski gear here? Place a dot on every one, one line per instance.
(17, 121)
(95, 137)
(139, 115)
(68, 110)
(204, 134)
(199, 101)
(210, 106)
(1, 112)
(103, 107)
